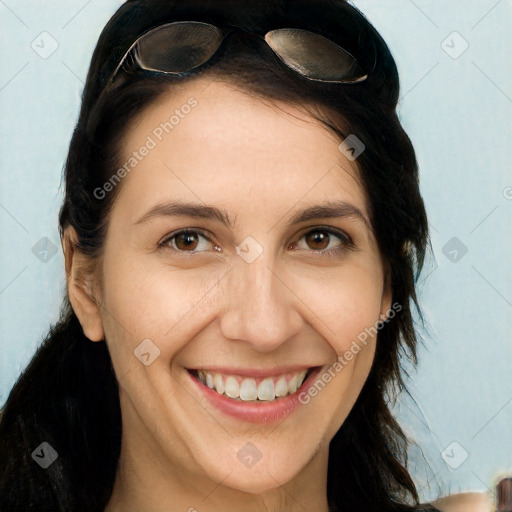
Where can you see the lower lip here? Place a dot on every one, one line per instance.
(256, 411)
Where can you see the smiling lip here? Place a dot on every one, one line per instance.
(254, 372)
(256, 411)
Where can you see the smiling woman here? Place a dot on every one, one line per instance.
(242, 230)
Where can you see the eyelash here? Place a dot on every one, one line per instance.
(346, 241)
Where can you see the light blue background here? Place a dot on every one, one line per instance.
(457, 112)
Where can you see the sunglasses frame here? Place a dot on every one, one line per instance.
(224, 32)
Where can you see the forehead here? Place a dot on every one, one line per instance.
(210, 142)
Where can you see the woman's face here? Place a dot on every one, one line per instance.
(248, 301)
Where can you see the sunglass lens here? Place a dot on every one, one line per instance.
(314, 56)
(178, 47)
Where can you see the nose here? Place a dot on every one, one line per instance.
(261, 309)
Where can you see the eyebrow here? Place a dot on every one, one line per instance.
(196, 210)
(331, 209)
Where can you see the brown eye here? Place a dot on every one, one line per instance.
(185, 241)
(190, 241)
(324, 241)
(317, 240)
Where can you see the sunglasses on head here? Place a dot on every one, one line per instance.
(183, 46)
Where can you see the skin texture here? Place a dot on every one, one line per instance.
(261, 162)
(465, 502)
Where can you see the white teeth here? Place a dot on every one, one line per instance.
(248, 390)
(232, 389)
(281, 388)
(219, 383)
(292, 384)
(266, 390)
(296, 381)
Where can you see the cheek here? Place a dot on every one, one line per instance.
(156, 302)
(346, 303)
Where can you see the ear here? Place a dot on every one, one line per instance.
(80, 281)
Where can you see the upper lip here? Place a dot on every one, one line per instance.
(254, 372)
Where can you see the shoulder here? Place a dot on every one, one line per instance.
(464, 502)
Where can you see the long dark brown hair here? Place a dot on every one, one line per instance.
(68, 394)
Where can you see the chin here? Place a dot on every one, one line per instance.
(258, 484)
(263, 475)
